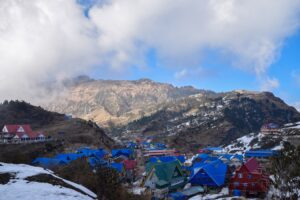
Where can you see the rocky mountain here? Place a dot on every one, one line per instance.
(115, 102)
(210, 119)
(183, 117)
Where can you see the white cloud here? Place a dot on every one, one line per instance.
(43, 40)
(193, 73)
(181, 74)
(251, 32)
(269, 84)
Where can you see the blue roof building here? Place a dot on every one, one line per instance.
(159, 146)
(118, 152)
(186, 193)
(68, 157)
(48, 162)
(177, 196)
(212, 174)
(204, 158)
(87, 152)
(95, 162)
(181, 158)
(232, 156)
(261, 153)
(131, 145)
(119, 167)
(167, 159)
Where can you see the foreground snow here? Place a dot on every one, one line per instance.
(221, 194)
(19, 188)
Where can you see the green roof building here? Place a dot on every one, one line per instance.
(164, 177)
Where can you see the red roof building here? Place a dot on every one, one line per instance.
(21, 132)
(130, 164)
(250, 179)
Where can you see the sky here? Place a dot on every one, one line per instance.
(209, 44)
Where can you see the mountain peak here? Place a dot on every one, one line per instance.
(145, 80)
(117, 101)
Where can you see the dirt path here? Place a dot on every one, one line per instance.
(140, 163)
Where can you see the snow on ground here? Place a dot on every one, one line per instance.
(22, 189)
(292, 125)
(138, 190)
(190, 160)
(279, 147)
(243, 143)
(19, 188)
(220, 195)
(298, 126)
(22, 171)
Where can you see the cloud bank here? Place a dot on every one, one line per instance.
(51, 40)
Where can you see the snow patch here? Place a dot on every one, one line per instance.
(19, 188)
(223, 192)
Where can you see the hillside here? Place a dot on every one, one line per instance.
(66, 133)
(182, 117)
(210, 119)
(287, 134)
(113, 102)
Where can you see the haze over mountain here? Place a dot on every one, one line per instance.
(116, 102)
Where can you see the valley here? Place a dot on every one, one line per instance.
(115, 133)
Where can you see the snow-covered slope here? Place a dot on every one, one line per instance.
(256, 141)
(23, 183)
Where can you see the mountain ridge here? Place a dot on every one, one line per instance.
(116, 101)
(215, 119)
(181, 117)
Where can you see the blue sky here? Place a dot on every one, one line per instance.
(224, 77)
(213, 71)
(219, 75)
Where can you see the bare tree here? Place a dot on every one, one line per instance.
(286, 173)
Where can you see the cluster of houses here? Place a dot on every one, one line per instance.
(209, 171)
(15, 133)
(166, 173)
(121, 160)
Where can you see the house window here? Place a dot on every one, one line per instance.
(176, 173)
(252, 184)
(236, 184)
(20, 129)
(245, 184)
(240, 175)
(249, 176)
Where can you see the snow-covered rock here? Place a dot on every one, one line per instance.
(19, 187)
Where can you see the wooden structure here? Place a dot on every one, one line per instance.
(250, 179)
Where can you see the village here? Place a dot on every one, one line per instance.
(147, 167)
